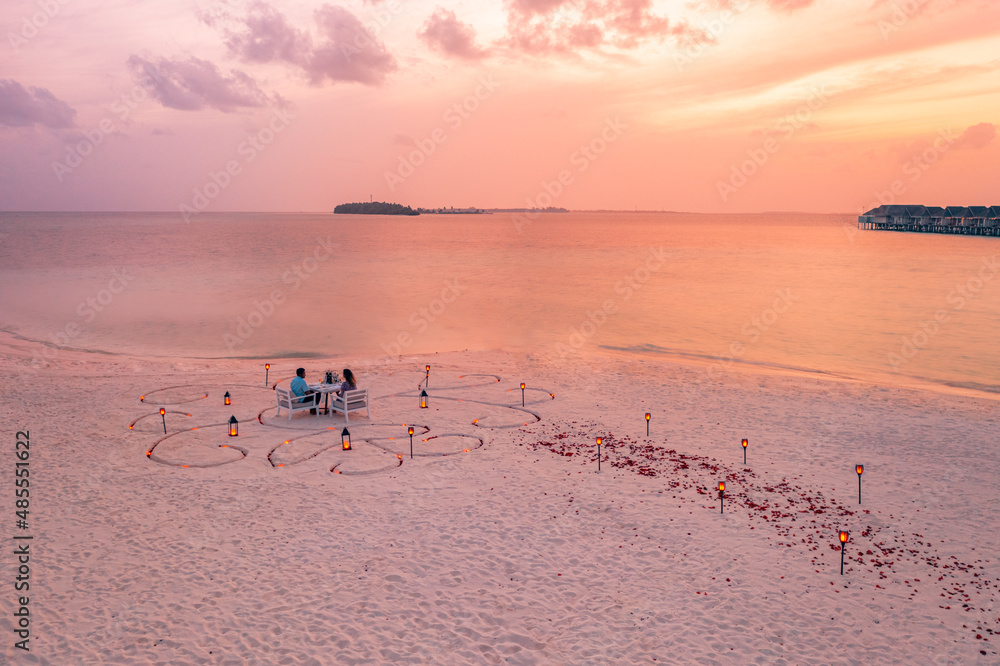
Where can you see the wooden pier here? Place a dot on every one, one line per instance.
(964, 220)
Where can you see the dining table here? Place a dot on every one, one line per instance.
(325, 390)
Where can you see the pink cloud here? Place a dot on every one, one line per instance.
(975, 137)
(790, 5)
(444, 32)
(346, 50)
(268, 36)
(529, 7)
(23, 107)
(194, 84)
(587, 36)
(350, 52)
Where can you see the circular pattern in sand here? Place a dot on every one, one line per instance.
(299, 449)
(201, 446)
(376, 447)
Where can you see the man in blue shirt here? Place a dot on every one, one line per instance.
(301, 388)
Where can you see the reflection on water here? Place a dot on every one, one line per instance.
(773, 290)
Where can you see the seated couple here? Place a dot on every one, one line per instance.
(309, 397)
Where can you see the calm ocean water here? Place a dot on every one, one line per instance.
(793, 291)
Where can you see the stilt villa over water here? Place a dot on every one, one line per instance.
(969, 220)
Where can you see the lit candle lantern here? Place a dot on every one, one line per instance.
(423, 400)
(410, 432)
(647, 423)
(267, 369)
(722, 492)
(427, 377)
(163, 416)
(745, 443)
(599, 440)
(234, 426)
(522, 394)
(228, 401)
(345, 437)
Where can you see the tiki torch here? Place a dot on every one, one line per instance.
(843, 546)
(860, 469)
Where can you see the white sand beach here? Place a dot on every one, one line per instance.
(499, 542)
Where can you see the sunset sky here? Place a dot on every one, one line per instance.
(714, 106)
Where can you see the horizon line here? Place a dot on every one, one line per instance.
(494, 208)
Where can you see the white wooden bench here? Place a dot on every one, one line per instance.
(351, 401)
(290, 401)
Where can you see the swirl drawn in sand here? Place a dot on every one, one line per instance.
(200, 443)
(171, 395)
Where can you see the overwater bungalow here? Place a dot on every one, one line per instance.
(968, 220)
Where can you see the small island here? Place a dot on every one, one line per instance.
(374, 208)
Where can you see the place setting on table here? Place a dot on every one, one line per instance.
(330, 384)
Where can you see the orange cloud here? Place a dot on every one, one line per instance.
(564, 26)
(976, 137)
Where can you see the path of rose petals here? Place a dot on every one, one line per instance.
(798, 518)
